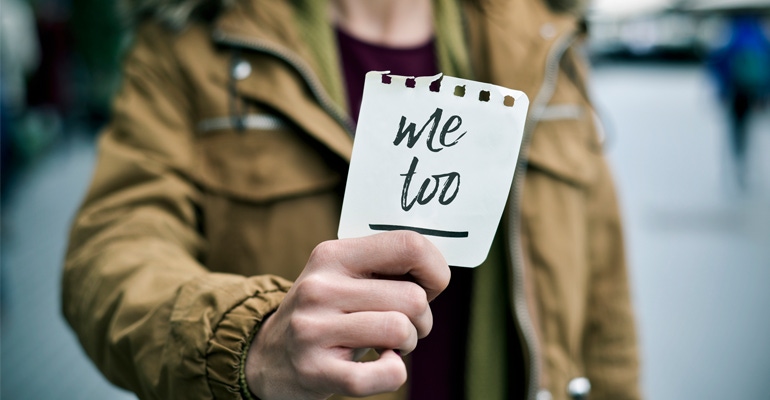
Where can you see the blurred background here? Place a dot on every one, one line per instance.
(682, 89)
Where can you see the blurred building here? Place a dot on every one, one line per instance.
(664, 28)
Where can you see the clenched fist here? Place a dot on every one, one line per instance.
(370, 292)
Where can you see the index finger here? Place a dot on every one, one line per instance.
(385, 255)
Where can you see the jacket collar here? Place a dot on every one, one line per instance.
(179, 13)
(271, 21)
(522, 63)
(267, 32)
(509, 41)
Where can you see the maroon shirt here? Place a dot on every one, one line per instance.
(359, 57)
(438, 363)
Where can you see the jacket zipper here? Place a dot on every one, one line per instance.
(298, 64)
(519, 300)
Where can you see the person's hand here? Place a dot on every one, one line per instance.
(371, 292)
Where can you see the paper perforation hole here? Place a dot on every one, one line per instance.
(460, 90)
(386, 79)
(508, 101)
(410, 82)
(484, 95)
(435, 86)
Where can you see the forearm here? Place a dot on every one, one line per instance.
(150, 315)
(157, 323)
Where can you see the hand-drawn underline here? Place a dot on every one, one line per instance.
(424, 231)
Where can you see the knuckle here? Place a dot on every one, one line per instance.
(304, 328)
(415, 300)
(357, 384)
(398, 376)
(309, 370)
(398, 328)
(413, 245)
(313, 290)
(323, 253)
(389, 379)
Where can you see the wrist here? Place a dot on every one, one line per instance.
(243, 381)
(249, 365)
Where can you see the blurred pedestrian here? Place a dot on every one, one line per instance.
(742, 70)
(19, 57)
(51, 87)
(99, 38)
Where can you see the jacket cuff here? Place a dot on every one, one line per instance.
(231, 340)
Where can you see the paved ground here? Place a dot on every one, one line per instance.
(699, 250)
(40, 356)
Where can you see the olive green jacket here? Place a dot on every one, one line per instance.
(223, 168)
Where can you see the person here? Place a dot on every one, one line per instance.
(741, 68)
(19, 58)
(97, 35)
(203, 262)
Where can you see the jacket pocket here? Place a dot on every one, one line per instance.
(565, 145)
(260, 157)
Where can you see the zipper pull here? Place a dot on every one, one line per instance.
(579, 388)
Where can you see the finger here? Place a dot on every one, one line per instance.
(350, 295)
(356, 379)
(379, 330)
(394, 253)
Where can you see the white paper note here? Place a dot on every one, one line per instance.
(436, 163)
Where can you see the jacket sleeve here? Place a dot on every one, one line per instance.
(610, 345)
(150, 315)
